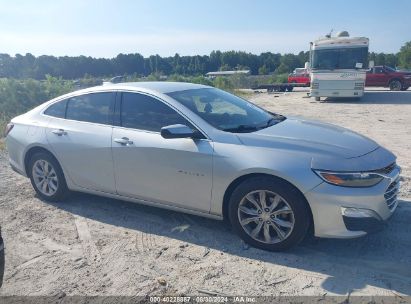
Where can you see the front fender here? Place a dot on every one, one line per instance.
(231, 163)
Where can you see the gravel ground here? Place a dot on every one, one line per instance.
(90, 245)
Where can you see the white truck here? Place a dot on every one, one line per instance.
(338, 66)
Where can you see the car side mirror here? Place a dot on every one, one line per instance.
(179, 131)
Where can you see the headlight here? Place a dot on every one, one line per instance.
(350, 179)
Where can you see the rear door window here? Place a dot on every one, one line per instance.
(95, 108)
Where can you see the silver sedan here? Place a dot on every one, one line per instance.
(203, 151)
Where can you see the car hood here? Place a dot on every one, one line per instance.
(311, 137)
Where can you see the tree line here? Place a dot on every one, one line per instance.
(29, 66)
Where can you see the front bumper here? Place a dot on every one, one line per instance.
(336, 93)
(366, 224)
(368, 208)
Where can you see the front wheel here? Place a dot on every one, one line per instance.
(47, 177)
(395, 85)
(268, 213)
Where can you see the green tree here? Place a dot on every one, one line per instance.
(263, 70)
(283, 68)
(404, 56)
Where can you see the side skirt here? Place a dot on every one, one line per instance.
(149, 203)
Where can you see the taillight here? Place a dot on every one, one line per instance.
(9, 127)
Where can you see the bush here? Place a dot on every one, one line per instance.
(19, 96)
(224, 83)
(281, 78)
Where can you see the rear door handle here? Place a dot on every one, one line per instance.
(123, 141)
(59, 132)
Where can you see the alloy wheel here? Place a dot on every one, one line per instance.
(45, 177)
(266, 216)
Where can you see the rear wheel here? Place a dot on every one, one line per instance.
(269, 213)
(395, 85)
(47, 177)
(317, 98)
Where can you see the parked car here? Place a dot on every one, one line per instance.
(1, 259)
(300, 75)
(203, 151)
(384, 76)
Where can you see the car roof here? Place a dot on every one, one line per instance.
(162, 87)
(158, 86)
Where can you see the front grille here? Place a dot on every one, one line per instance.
(386, 170)
(391, 194)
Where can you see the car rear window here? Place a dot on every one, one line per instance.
(57, 109)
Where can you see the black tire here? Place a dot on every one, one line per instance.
(395, 85)
(290, 88)
(404, 88)
(317, 98)
(295, 200)
(62, 191)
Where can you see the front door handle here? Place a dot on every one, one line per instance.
(123, 141)
(59, 132)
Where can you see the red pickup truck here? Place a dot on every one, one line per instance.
(384, 76)
(300, 75)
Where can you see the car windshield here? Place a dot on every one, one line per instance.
(342, 58)
(225, 111)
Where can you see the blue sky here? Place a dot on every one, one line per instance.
(102, 28)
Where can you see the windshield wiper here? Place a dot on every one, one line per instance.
(270, 122)
(273, 120)
(241, 129)
(249, 128)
